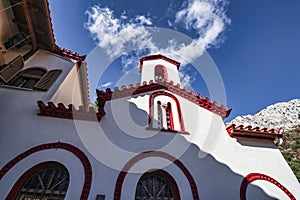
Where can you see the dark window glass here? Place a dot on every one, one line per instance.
(45, 184)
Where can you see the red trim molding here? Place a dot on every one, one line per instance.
(140, 89)
(257, 176)
(254, 132)
(156, 57)
(68, 54)
(137, 158)
(151, 108)
(60, 111)
(18, 185)
(57, 145)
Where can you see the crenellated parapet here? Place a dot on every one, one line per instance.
(145, 87)
(70, 112)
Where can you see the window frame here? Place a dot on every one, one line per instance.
(166, 176)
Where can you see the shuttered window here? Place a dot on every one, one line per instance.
(47, 80)
(11, 69)
(28, 77)
(35, 78)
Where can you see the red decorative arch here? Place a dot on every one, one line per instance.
(151, 107)
(257, 176)
(137, 158)
(57, 145)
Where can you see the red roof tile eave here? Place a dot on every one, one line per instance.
(69, 54)
(50, 25)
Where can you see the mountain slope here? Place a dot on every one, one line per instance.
(285, 115)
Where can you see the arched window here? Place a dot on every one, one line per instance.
(165, 112)
(49, 180)
(165, 116)
(160, 73)
(158, 185)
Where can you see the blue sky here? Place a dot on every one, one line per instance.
(255, 50)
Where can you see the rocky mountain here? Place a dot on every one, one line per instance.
(284, 115)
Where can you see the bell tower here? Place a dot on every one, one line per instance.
(158, 67)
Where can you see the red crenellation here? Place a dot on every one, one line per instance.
(160, 84)
(60, 111)
(254, 132)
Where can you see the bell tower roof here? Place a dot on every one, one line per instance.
(156, 57)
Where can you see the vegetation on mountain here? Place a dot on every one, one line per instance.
(290, 149)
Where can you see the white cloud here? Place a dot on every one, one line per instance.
(206, 18)
(104, 85)
(141, 19)
(114, 35)
(186, 78)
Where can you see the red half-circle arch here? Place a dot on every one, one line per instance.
(57, 145)
(257, 176)
(135, 159)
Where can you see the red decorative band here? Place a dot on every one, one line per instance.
(57, 145)
(257, 176)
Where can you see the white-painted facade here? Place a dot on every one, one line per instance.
(216, 162)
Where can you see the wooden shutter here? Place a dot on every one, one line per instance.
(12, 68)
(47, 80)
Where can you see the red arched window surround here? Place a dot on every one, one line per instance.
(57, 145)
(160, 73)
(257, 176)
(149, 154)
(151, 110)
(167, 177)
(20, 182)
